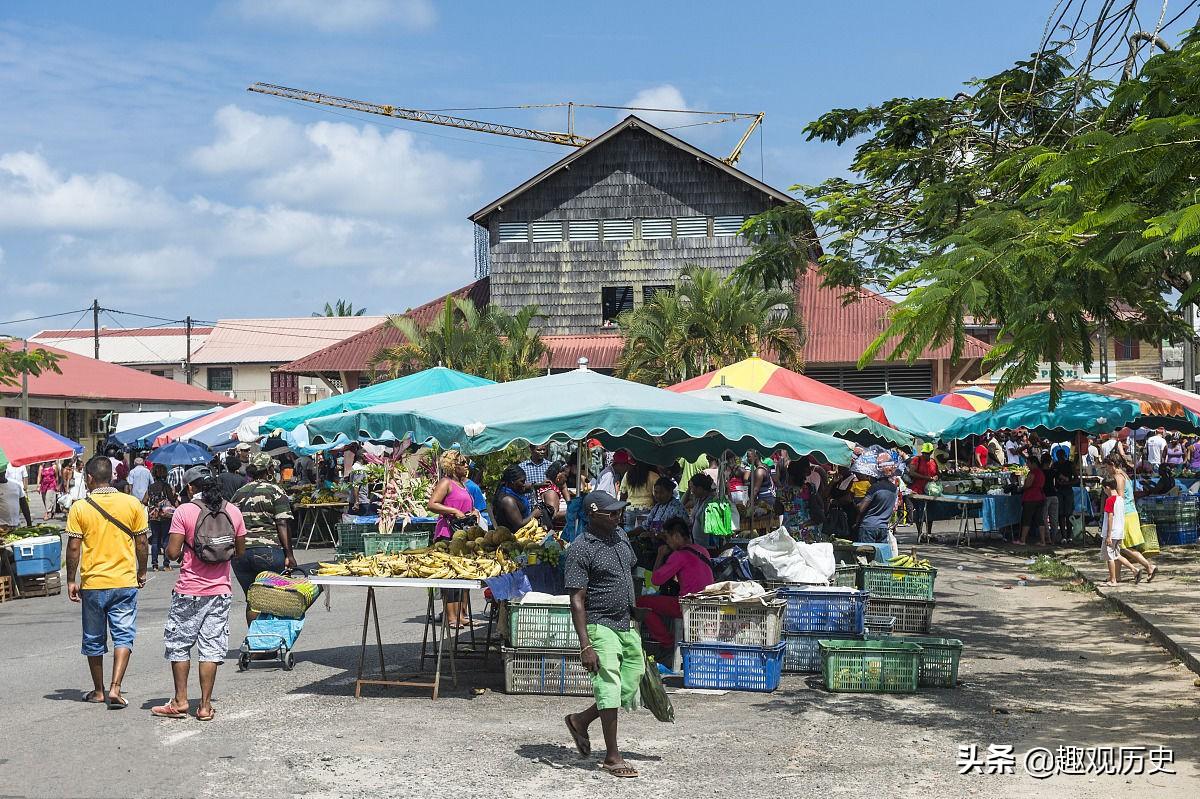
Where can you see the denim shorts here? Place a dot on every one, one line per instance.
(255, 560)
(108, 611)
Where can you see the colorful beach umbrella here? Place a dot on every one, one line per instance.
(755, 374)
(1153, 388)
(180, 453)
(23, 443)
(971, 400)
(199, 423)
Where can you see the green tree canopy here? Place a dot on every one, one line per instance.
(707, 322)
(14, 362)
(491, 343)
(1047, 198)
(340, 308)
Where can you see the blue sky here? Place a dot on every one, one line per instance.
(135, 168)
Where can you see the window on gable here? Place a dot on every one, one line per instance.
(584, 230)
(547, 231)
(690, 227)
(648, 292)
(727, 225)
(513, 231)
(618, 229)
(1127, 349)
(656, 228)
(615, 300)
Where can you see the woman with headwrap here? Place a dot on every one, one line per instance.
(511, 505)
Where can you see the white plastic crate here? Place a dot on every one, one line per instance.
(709, 621)
(545, 671)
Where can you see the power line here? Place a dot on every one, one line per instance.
(47, 316)
(70, 330)
(139, 340)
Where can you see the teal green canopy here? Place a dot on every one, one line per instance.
(438, 380)
(656, 425)
(850, 425)
(1076, 412)
(921, 418)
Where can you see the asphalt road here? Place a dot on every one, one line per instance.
(1042, 667)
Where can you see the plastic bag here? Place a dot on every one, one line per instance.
(718, 518)
(654, 695)
(781, 557)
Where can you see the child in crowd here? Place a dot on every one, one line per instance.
(1113, 534)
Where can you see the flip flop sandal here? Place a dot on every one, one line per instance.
(1153, 574)
(624, 770)
(582, 742)
(212, 714)
(120, 703)
(168, 712)
(90, 698)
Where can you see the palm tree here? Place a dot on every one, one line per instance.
(340, 308)
(709, 321)
(490, 343)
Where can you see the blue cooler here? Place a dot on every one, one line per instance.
(883, 552)
(41, 555)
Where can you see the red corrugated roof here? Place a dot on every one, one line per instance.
(353, 354)
(839, 333)
(125, 331)
(601, 349)
(88, 379)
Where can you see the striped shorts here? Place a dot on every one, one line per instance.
(199, 621)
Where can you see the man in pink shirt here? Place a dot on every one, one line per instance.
(208, 532)
(684, 561)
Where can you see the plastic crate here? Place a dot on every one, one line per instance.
(847, 576)
(802, 655)
(350, 537)
(878, 625)
(775, 585)
(544, 626)
(732, 668)
(710, 621)
(912, 615)
(824, 610)
(35, 556)
(377, 543)
(1174, 538)
(545, 671)
(939, 660)
(898, 582)
(877, 666)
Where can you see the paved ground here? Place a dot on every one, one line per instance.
(1042, 667)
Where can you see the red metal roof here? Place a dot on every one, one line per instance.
(839, 333)
(84, 378)
(601, 349)
(353, 354)
(106, 332)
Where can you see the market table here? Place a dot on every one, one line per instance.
(316, 521)
(372, 612)
(964, 504)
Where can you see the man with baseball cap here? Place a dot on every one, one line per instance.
(599, 576)
(609, 479)
(268, 512)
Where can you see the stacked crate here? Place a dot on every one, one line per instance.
(544, 655)
(733, 646)
(1176, 520)
(902, 593)
(814, 614)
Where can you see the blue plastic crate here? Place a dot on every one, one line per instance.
(824, 610)
(41, 555)
(732, 668)
(801, 653)
(1174, 538)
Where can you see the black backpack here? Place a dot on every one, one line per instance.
(213, 540)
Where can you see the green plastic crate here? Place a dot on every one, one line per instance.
(377, 543)
(939, 660)
(350, 537)
(898, 582)
(846, 576)
(539, 626)
(880, 667)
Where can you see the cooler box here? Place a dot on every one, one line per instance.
(41, 555)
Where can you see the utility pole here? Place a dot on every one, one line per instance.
(96, 328)
(187, 362)
(25, 382)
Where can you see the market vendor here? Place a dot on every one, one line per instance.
(511, 506)
(455, 510)
(702, 491)
(637, 486)
(553, 496)
(921, 470)
(1160, 487)
(666, 506)
(680, 568)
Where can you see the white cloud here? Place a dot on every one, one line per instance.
(664, 96)
(339, 16)
(336, 166)
(34, 195)
(177, 265)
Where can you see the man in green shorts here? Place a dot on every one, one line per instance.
(599, 575)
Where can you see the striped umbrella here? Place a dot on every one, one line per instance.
(22, 443)
(965, 399)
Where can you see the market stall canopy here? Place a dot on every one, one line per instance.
(655, 425)
(1077, 411)
(23, 443)
(166, 437)
(1156, 411)
(970, 400)
(437, 380)
(180, 453)
(920, 418)
(1144, 385)
(143, 436)
(755, 374)
(217, 434)
(856, 427)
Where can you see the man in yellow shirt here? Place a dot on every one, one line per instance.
(107, 545)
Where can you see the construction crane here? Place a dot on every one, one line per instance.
(568, 139)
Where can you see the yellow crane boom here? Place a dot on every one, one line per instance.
(568, 139)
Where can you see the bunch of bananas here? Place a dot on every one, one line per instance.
(431, 563)
(909, 562)
(531, 533)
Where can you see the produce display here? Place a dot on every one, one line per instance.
(320, 494)
(909, 562)
(404, 494)
(429, 562)
(35, 531)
